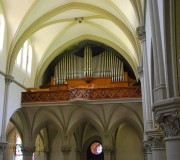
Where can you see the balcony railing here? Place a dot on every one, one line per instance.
(81, 94)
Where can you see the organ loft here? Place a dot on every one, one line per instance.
(87, 71)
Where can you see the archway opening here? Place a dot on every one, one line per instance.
(95, 151)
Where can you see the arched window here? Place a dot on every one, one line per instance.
(24, 58)
(95, 151)
(18, 153)
(2, 26)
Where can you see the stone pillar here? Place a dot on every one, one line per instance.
(66, 151)
(113, 153)
(158, 147)
(107, 152)
(140, 31)
(28, 152)
(8, 80)
(148, 151)
(46, 150)
(167, 114)
(2, 148)
(159, 71)
(78, 154)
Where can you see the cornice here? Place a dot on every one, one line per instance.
(81, 102)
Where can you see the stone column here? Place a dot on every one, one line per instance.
(28, 152)
(2, 148)
(148, 151)
(159, 71)
(78, 154)
(167, 114)
(141, 75)
(107, 152)
(66, 151)
(8, 80)
(140, 31)
(46, 150)
(158, 145)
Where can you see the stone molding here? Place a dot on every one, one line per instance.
(8, 79)
(28, 151)
(167, 115)
(141, 33)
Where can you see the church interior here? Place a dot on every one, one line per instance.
(89, 80)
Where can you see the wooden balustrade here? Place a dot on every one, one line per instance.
(81, 94)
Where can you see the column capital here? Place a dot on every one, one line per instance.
(148, 146)
(28, 150)
(167, 115)
(156, 138)
(3, 145)
(8, 79)
(107, 149)
(66, 149)
(141, 33)
(78, 150)
(46, 150)
(169, 123)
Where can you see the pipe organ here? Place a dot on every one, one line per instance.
(106, 64)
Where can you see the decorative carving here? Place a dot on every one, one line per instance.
(28, 151)
(169, 123)
(157, 141)
(8, 79)
(140, 31)
(148, 146)
(140, 71)
(107, 149)
(66, 149)
(3, 145)
(83, 94)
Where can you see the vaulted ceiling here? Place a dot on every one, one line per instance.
(55, 25)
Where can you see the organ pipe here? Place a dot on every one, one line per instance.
(106, 64)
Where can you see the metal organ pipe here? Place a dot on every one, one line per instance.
(106, 64)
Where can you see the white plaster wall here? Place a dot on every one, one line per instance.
(24, 78)
(14, 100)
(3, 52)
(2, 86)
(128, 144)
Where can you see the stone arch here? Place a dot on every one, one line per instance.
(43, 66)
(130, 122)
(17, 42)
(25, 130)
(80, 122)
(44, 124)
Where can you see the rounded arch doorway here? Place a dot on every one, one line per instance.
(95, 151)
